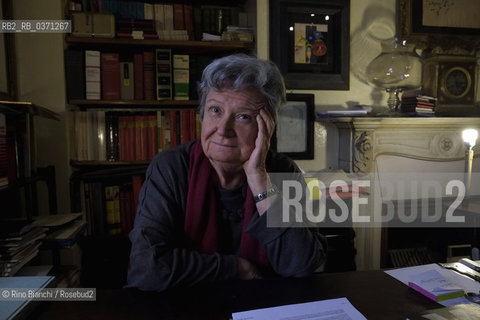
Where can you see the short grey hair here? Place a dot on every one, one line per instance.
(239, 72)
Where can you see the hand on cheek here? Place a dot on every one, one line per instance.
(255, 167)
(256, 163)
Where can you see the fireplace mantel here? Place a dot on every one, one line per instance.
(360, 144)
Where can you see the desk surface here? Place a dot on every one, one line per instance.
(375, 294)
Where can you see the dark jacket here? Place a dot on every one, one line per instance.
(158, 259)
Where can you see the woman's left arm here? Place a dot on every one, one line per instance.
(292, 251)
(255, 167)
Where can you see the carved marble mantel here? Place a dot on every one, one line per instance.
(359, 143)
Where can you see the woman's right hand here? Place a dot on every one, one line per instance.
(247, 270)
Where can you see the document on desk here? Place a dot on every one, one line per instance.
(331, 309)
(10, 309)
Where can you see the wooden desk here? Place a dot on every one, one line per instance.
(375, 294)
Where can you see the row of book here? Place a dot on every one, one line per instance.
(110, 208)
(116, 136)
(147, 75)
(418, 104)
(167, 20)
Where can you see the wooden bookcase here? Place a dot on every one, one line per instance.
(20, 174)
(97, 184)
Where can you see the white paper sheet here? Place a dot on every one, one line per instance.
(331, 309)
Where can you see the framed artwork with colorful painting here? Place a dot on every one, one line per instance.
(309, 41)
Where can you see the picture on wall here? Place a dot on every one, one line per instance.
(294, 131)
(440, 23)
(309, 41)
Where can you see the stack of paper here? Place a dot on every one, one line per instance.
(18, 245)
(63, 229)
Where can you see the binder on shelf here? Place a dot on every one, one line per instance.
(111, 134)
(92, 74)
(163, 69)
(189, 22)
(169, 20)
(75, 74)
(138, 75)
(159, 14)
(152, 138)
(112, 207)
(80, 139)
(110, 68)
(178, 17)
(140, 137)
(149, 75)
(166, 129)
(181, 76)
(96, 147)
(127, 80)
(100, 140)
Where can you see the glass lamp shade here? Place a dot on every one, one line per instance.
(397, 68)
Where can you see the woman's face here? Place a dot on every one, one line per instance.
(229, 126)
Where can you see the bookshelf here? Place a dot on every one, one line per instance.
(190, 46)
(19, 173)
(106, 175)
(20, 240)
(134, 105)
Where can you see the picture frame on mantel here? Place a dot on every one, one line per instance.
(310, 43)
(445, 24)
(294, 132)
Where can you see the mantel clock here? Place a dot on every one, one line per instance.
(451, 79)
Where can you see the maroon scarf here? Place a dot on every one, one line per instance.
(201, 218)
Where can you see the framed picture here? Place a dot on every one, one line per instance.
(295, 127)
(444, 23)
(310, 41)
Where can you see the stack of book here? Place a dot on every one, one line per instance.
(19, 243)
(417, 104)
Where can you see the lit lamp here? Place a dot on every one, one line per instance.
(396, 69)
(469, 137)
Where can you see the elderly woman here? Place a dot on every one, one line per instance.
(203, 205)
